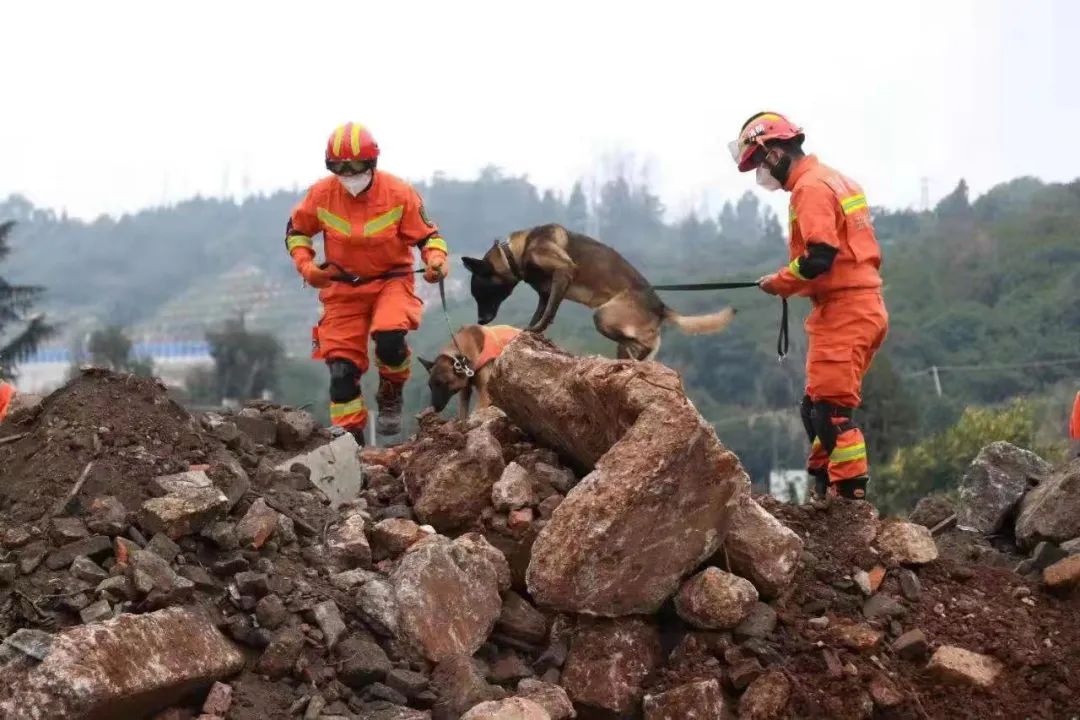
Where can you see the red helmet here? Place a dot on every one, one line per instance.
(758, 130)
(351, 141)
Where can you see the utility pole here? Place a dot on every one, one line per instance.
(937, 380)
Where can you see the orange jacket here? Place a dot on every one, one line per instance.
(366, 235)
(496, 337)
(1074, 423)
(7, 394)
(828, 208)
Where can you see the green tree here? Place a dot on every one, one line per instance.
(111, 347)
(20, 331)
(577, 210)
(889, 415)
(245, 363)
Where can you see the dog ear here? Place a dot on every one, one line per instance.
(428, 364)
(477, 266)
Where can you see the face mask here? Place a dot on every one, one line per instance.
(766, 180)
(355, 184)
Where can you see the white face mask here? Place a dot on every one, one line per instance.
(355, 184)
(766, 180)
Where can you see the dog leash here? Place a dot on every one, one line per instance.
(356, 280)
(461, 365)
(782, 343)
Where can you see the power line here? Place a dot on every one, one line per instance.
(934, 369)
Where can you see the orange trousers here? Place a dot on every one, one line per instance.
(7, 394)
(845, 331)
(1074, 422)
(344, 331)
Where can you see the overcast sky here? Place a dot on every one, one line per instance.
(115, 106)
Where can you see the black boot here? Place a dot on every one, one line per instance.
(853, 489)
(821, 483)
(389, 401)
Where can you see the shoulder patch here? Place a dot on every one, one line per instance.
(424, 216)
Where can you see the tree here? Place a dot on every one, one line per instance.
(577, 210)
(890, 416)
(20, 331)
(110, 347)
(245, 363)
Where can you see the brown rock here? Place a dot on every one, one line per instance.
(259, 429)
(328, 618)
(363, 662)
(912, 645)
(548, 696)
(860, 638)
(766, 698)
(715, 600)
(348, 544)
(520, 520)
(447, 597)
(760, 623)
(661, 487)
(270, 612)
(95, 546)
(294, 428)
(696, 701)
(745, 672)
(761, 549)
(257, 526)
(907, 543)
(67, 529)
(520, 620)
(515, 708)
(547, 506)
(282, 653)
(183, 513)
(884, 693)
(1063, 574)
(508, 668)
(181, 482)
(1051, 511)
(608, 662)
(460, 686)
(393, 536)
(218, 700)
(170, 652)
(955, 664)
(513, 489)
(450, 487)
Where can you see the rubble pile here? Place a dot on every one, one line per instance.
(587, 549)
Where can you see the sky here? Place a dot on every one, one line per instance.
(116, 106)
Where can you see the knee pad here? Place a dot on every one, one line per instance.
(344, 380)
(822, 414)
(806, 412)
(390, 347)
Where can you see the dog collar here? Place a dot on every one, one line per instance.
(504, 248)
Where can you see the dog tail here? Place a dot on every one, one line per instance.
(700, 324)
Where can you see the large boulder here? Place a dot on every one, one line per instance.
(450, 482)
(994, 482)
(1052, 510)
(608, 662)
(761, 549)
(660, 488)
(128, 667)
(447, 596)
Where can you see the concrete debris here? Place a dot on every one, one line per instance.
(956, 664)
(334, 468)
(184, 512)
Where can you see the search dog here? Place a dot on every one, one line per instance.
(464, 365)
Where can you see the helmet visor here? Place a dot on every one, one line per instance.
(349, 167)
(746, 155)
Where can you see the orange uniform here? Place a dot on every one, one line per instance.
(1074, 422)
(7, 394)
(365, 235)
(848, 322)
(496, 338)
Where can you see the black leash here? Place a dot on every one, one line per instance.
(782, 343)
(461, 364)
(356, 280)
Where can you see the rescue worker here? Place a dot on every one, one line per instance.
(7, 396)
(370, 221)
(834, 261)
(1074, 426)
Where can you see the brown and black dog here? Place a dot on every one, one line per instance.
(464, 365)
(561, 264)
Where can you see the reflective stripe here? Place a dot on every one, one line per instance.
(853, 203)
(855, 452)
(340, 224)
(816, 444)
(396, 368)
(436, 243)
(294, 241)
(793, 266)
(339, 135)
(355, 139)
(353, 407)
(382, 222)
(791, 214)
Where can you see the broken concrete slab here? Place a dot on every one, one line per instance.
(181, 482)
(335, 469)
(183, 513)
(130, 666)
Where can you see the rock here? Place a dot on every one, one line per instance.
(67, 529)
(16, 537)
(766, 698)
(116, 589)
(882, 606)
(907, 543)
(181, 483)
(715, 600)
(393, 536)
(993, 484)
(294, 428)
(510, 709)
(761, 549)
(91, 547)
(183, 513)
(349, 547)
(857, 637)
(884, 693)
(8, 573)
(150, 573)
(547, 506)
(955, 664)
(87, 570)
(513, 489)
(257, 526)
(173, 651)
(1046, 554)
(460, 686)
(521, 621)
(229, 475)
(447, 597)
(391, 712)
(408, 683)
(270, 612)
(222, 534)
(910, 586)
(697, 701)
(259, 429)
(818, 623)
(282, 653)
(1071, 547)
(760, 623)
(912, 645)
(329, 620)
(97, 612)
(32, 556)
(549, 696)
(252, 583)
(33, 643)
(744, 672)
(380, 691)
(931, 510)
(862, 581)
(163, 547)
(218, 700)
(334, 468)
(1052, 510)
(508, 668)
(558, 478)
(609, 660)
(450, 487)
(363, 662)
(1063, 574)
(378, 605)
(519, 520)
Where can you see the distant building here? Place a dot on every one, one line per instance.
(790, 486)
